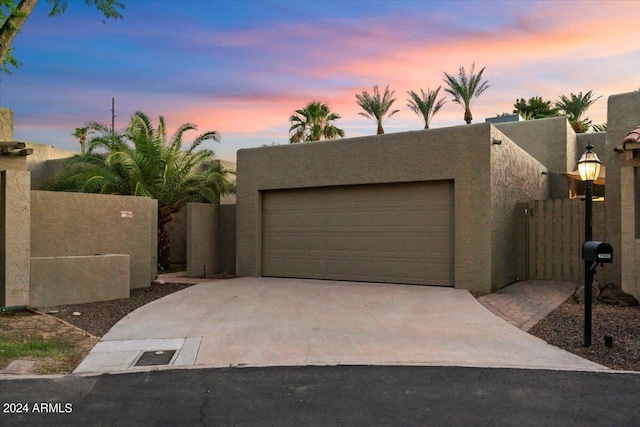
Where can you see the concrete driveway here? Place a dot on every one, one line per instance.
(291, 322)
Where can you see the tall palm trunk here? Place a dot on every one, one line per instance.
(164, 248)
(467, 115)
(380, 129)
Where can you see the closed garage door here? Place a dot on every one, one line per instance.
(394, 233)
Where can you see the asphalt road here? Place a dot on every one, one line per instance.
(322, 396)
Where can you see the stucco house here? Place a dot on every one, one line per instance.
(432, 207)
(623, 190)
(429, 207)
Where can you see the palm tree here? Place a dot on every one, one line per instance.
(425, 105)
(534, 108)
(376, 106)
(574, 107)
(313, 123)
(143, 161)
(81, 133)
(466, 89)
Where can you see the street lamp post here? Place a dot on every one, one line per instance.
(589, 169)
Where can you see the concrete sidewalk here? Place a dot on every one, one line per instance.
(292, 322)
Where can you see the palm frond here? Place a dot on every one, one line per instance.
(141, 161)
(377, 106)
(425, 104)
(466, 88)
(313, 123)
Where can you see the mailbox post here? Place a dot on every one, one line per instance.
(589, 168)
(593, 253)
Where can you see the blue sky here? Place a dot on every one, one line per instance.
(242, 68)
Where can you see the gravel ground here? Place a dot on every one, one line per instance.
(562, 328)
(98, 317)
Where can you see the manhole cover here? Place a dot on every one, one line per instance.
(151, 358)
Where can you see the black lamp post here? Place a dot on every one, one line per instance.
(589, 169)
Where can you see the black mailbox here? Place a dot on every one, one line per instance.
(597, 252)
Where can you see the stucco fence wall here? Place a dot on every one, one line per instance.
(552, 141)
(490, 173)
(79, 279)
(45, 162)
(14, 237)
(623, 193)
(77, 225)
(184, 250)
(177, 228)
(211, 239)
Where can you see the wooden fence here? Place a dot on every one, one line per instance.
(549, 238)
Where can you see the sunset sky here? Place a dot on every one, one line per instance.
(242, 68)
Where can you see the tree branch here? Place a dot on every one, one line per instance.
(12, 26)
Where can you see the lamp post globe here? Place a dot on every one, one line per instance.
(589, 165)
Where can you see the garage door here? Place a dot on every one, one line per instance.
(393, 233)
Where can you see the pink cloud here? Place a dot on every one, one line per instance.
(550, 49)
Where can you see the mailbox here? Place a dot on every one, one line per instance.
(597, 252)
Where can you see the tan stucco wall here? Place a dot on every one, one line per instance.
(178, 227)
(210, 239)
(73, 224)
(14, 238)
(18, 163)
(515, 177)
(202, 238)
(6, 124)
(79, 279)
(621, 201)
(45, 162)
(462, 154)
(623, 115)
(551, 141)
(6, 134)
(597, 139)
(629, 259)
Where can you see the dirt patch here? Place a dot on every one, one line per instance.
(98, 317)
(72, 344)
(75, 335)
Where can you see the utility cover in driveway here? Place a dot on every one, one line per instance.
(151, 358)
(394, 233)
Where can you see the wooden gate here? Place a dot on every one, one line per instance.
(549, 238)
